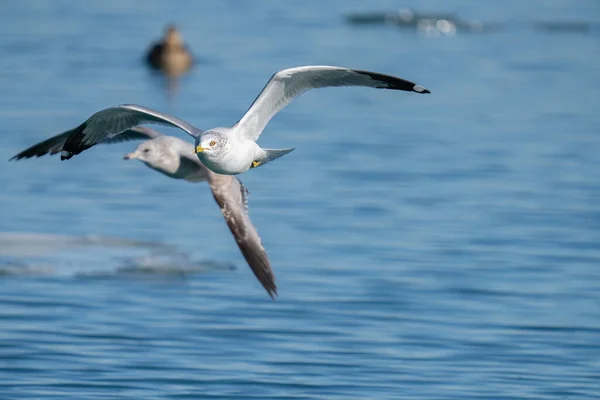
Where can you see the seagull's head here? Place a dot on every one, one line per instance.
(211, 146)
(145, 152)
(156, 153)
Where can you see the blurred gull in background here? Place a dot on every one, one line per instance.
(175, 158)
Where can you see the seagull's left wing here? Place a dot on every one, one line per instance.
(110, 122)
(288, 84)
(231, 196)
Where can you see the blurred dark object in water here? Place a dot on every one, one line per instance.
(31, 244)
(403, 17)
(428, 23)
(174, 263)
(39, 254)
(10, 267)
(170, 55)
(563, 26)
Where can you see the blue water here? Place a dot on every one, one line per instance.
(439, 246)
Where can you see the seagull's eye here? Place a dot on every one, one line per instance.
(146, 150)
(212, 143)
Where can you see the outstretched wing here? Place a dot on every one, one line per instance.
(55, 144)
(231, 196)
(137, 133)
(288, 84)
(108, 123)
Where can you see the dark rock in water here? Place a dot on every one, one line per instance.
(404, 17)
(563, 26)
(430, 23)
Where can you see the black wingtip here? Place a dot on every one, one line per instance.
(24, 154)
(27, 153)
(393, 82)
(74, 143)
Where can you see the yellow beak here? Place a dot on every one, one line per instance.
(199, 149)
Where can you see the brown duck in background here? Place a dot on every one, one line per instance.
(170, 55)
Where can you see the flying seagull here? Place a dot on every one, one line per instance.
(232, 151)
(175, 158)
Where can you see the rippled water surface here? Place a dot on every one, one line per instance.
(438, 246)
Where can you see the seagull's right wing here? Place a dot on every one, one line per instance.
(108, 123)
(55, 144)
(231, 196)
(287, 84)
